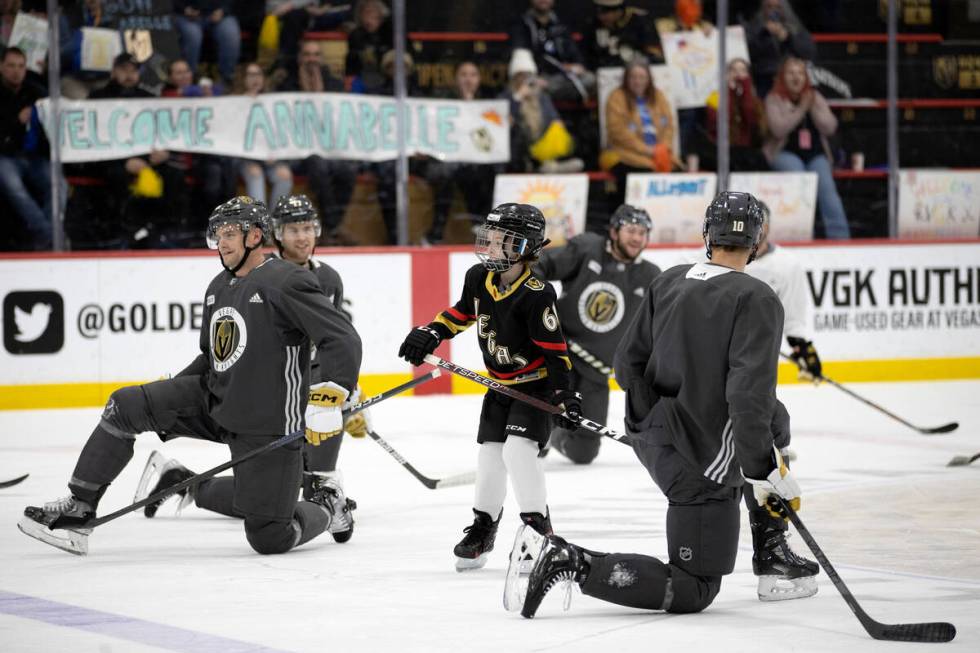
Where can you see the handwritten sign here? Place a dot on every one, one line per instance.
(790, 196)
(694, 58)
(561, 198)
(938, 203)
(675, 202)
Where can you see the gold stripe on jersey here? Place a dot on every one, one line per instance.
(536, 375)
(568, 362)
(496, 294)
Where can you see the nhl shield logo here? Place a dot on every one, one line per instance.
(685, 553)
(228, 338)
(945, 71)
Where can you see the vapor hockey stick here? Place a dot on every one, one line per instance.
(945, 428)
(286, 439)
(958, 461)
(12, 482)
(540, 404)
(431, 483)
(937, 631)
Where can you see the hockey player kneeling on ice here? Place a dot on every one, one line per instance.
(295, 229)
(522, 344)
(248, 387)
(603, 280)
(699, 367)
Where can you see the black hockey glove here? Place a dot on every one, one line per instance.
(805, 357)
(421, 342)
(571, 402)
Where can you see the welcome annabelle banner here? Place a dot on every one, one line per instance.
(282, 126)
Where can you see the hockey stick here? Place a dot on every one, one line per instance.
(431, 483)
(12, 482)
(945, 428)
(286, 439)
(937, 631)
(540, 404)
(958, 461)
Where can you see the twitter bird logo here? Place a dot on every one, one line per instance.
(33, 322)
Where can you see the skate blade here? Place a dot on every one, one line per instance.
(523, 555)
(156, 466)
(779, 588)
(75, 542)
(470, 564)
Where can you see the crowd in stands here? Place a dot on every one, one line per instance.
(777, 119)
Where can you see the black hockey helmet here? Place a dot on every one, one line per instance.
(522, 236)
(733, 219)
(629, 214)
(242, 211)
(293, 208)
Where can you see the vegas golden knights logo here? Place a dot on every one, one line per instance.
(228, 337)
(601, 306)
(225, 338)
(944, 71)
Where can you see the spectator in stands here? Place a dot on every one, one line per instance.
(639, 128)
(475, 181)
(330, 180)
(157, 204)
(746, 122)
(195, 18)
(539, 140)
(617, 34)
(256, 173)
(77, 83)
(367, 45)
(180, 82)
(299, 16)
(8, 14)
(800, 122)
(687, 17)
(555, 53)
(25, 178)
(773, 34)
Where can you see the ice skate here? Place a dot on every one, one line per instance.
(472, 550)
(783, 575)
(523, 555)
(329, 493)
(558, 562)
(160, 473)
(59, 523)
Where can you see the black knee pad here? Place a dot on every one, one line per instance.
(126, 409)
(580, 449)
(689, 593)
(271, 537)
(702, 539)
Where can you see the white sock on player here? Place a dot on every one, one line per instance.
(526, 474)
(491, 479)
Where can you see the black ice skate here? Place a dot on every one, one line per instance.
(472, 550)
(159, 474)
(783, 575)
(558, 562)
(329, 493)
(59, 523)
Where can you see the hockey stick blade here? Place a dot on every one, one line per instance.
(959, 461)
(945, 428)
(12, 482)
(431, 483)
(938, 631)
(466, 478)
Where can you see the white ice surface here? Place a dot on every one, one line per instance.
(901, 527)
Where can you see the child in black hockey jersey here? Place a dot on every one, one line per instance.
(522, 344)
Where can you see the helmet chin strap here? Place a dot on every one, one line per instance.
(248, 250)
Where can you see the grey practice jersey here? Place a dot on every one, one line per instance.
(599, 295)
(255, 347)
(333, 288)
(708, 337)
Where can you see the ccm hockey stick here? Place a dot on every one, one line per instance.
(937, 631)
(12, 482)
(540, 404)
(286, 439)
(959, 461)
(945, 428)
(431, 483)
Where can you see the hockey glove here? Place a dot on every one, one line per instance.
(324, 418)
(421, 342)
(780, 482)
(805, 357)
(358, 426)
(571, 402)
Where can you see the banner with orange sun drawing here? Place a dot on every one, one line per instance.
(562, 199)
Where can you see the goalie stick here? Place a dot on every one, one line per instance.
(12, 482)
(945, 428)
(937, 631)
(959, 461)
(431, 483)
(540, 404)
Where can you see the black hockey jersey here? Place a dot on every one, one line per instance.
(599, 295)
(707, 337)
(255, 344)
(518, 329)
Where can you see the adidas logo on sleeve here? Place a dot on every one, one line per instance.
(255, 299)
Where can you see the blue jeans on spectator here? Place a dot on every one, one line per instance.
(227, 37)
(255, 174)
(19, 175)
(828, 200)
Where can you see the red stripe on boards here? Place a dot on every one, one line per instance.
(430, 296)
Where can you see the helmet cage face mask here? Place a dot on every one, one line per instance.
(499, 249)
